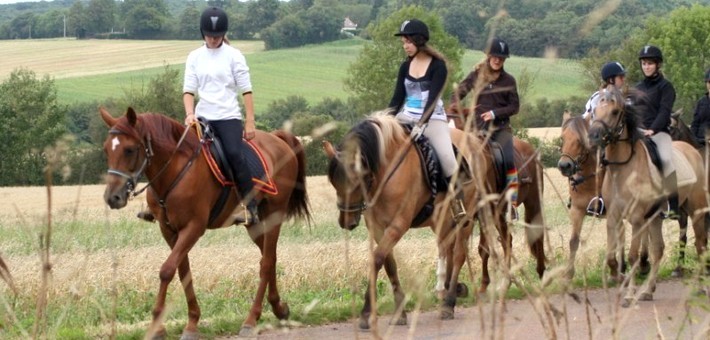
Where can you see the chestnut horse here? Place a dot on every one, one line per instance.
(182, 192)
(376, 172)
(615, 130)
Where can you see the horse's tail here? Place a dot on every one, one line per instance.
(298, 202)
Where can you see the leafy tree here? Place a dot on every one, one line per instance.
(32, 120)
(282, 110)
(260, 15)
(145, 18)
(101, 15)
(161, 96)
(76, 19)
(372, 76)
(188, 26)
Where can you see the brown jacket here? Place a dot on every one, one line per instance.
(499, 95)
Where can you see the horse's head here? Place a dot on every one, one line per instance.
(609, 117)
(351, 183)
(127, 154)
(575, 149)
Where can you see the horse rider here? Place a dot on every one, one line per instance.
(218, 72)
(496, 98)
(701, 117)
(417, 100)
(654, 100)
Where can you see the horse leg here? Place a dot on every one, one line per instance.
(386, 240)
(506, 240)
(535, 232)
(656, 248)
(443, 268)
(577, 218)
(180, 245)
(462, 234)
(644, 265)
(700, 224)
(266, 241)
(614, 239)
(683, 239)
(400, 315)
(484, 253)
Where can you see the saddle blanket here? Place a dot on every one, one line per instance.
(258, 167)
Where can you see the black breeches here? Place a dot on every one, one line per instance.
(230, 134)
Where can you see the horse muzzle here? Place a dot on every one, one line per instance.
(349, 220)
(116, 196)
(566, 167)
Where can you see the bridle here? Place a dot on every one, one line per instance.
(612, 135)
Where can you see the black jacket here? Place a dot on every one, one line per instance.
(701, 118)
(655, 103)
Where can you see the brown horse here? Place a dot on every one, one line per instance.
(376, 172)
(182, 192)
(530, 193)
(627, 161)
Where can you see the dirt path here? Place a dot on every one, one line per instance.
(667, 317)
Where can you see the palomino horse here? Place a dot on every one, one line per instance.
(376, 172)
(615, 130)
(182, 192)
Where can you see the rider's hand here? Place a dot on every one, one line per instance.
(417, 131)
(249, 129)
(190, 118)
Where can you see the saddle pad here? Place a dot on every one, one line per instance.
(684, 170)
(255, 161)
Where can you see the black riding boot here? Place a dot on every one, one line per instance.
(248, 196)
(458, 210)
(671, 186)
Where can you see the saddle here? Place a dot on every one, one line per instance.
(213, 152)
(436, 181)
(684, 170)
(500, 164)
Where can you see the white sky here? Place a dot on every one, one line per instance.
(4, 2)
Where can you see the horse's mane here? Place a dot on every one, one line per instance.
(164, 131)
(579, 126)
(368, 142)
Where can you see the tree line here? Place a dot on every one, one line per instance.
(35, 122)
(569, 29)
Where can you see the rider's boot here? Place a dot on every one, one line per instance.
(671, 186)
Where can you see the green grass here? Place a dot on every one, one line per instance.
(317, 72)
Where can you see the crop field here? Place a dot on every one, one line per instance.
(105, 263)
(93, 70)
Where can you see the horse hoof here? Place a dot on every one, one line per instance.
(626, 303)
(461, 290)
(646, 297)
(677, 273)
(400, 321)
(285, 311)
(189, 335)
(364, 324)
(247, 332)
(446, 313)
(146, 215)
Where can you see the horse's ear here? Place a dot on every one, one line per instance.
(106, 116)
(566, 116)
(328, 149)
(131, 116)
(677, 113)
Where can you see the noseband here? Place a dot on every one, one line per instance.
(132, 178)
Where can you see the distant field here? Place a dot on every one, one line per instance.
(93, 70)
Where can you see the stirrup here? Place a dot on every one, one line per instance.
(670, 214)
(596, 207)
(512, 215)
(458, 211)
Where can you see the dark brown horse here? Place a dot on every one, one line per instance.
(376, 172)
(633, 186)
(182, 192)
(529, 196)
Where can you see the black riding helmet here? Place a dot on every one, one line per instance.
(214, 22)
(612, 69)
(416, 30)
(498, 48)
(651, 52)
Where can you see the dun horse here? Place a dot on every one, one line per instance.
(376, 172)
(182, 192)
(614, 129)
